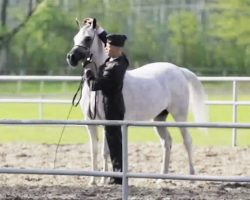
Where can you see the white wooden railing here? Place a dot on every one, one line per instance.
(19, 79)
(125, 174)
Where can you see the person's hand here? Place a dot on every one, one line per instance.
(89, 75)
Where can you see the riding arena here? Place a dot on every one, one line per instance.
(168, 76)
(223, 168)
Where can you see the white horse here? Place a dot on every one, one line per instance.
(150, 92)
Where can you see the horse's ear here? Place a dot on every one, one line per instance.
(78, 23)
(94, 23)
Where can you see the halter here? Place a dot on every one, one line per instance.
(87, 48)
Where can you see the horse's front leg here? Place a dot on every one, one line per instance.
(105, 154)
(93, 133)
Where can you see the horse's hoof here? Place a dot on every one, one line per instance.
(103, 181)
(92, 182)
(159, 181)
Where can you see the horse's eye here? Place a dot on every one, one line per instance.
(87, 39)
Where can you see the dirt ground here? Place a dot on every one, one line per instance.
(225, 161)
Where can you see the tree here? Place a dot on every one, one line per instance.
(230, 36)
(7, 35)
(41, 46)
(185, 39)
(45, 40)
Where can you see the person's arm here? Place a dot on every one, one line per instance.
(102, 34)
(110, 80)
(105, 83)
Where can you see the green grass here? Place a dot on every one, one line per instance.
(48, 134)
(26, 88)
(51, 134)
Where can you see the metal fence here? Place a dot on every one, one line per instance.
(125, 174)
(41, 101)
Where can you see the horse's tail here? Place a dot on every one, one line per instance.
(197, 96)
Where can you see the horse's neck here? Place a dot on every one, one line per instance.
(99, 54)
(99, 60)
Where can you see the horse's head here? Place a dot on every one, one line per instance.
(83, 43)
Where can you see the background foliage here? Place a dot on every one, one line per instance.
(43, 41)
(209, 37)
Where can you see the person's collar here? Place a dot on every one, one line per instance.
(112, 59)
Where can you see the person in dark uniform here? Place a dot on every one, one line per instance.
(110, 81)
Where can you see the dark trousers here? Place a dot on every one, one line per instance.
(114, 110)
(114, 139)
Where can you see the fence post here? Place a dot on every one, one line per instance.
(19, 86)
(64, 87)
(235, 113)
(41, 107)
(125, 162)
(41, 87)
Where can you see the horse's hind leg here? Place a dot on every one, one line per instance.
(187, 139)
(166, 141)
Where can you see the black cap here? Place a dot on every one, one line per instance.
(116, 39)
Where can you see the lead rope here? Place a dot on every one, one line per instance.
(60, 138)
(73, 104)
(77, 91)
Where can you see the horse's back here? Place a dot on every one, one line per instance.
(166, 74)
(152, 69)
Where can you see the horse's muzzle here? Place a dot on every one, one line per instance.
(71, 59)
(75, 55)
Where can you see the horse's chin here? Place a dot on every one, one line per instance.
(72, 63)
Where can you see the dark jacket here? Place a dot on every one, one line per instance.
(110, 82)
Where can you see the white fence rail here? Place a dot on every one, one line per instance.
(124, 174)
(234, 103)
